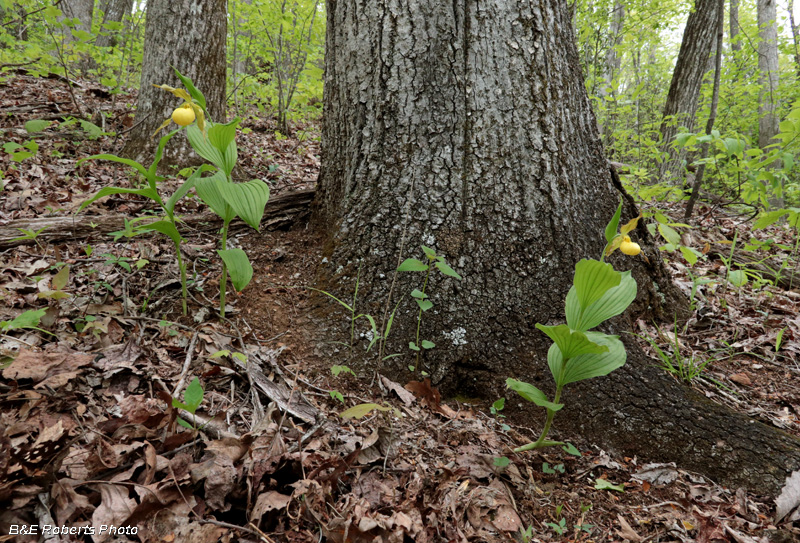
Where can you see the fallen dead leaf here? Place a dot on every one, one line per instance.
(626, 531)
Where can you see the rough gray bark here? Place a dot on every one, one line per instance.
(114, 11)
(196, 47)
(687, 78)
(466, 127)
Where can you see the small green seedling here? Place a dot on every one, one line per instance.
(241, 357)
(495, 409)
(58, 282)
(558, 468)
(561, 526)
(420, 296)
(192, 398)
(779, 339)
(337, 370)
(498, 406)
(602, 484)
(351, 308)
(27, 320)
(336, 395)
(501, 462)
(31, 235)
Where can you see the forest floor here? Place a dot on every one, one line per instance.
(89, 430)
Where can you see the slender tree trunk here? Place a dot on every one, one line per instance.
(687, 78)
(466, 127)
(768, 121)
(733, 19)
(189, 35)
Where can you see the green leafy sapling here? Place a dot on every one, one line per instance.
(421, 296)
(598, 293)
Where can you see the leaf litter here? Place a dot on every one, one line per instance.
(91, 432)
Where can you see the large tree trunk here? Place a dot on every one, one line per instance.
(687, 78)
(466, 127)
(190, 36)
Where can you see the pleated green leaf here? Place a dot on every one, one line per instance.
(239, 267)
(107, 191)
(592, 279)
(165, 227)
(208, 190)
(613, 302)
(572, 343)
(162, 143)
(588, 365)
(532, 394)
(247, 200)
(203, 147)
(114, 158)
(193, 91)
(186, 187)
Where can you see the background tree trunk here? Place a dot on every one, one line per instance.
(82, 10)
(467, 128)
(114, 11)
(768, 121)
(733, 19)
(795, 37)
(612, 65)
(189, 35)
(768, 70)
(687, 78)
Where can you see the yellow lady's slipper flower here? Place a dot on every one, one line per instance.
(628, 247)
(184, 115)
